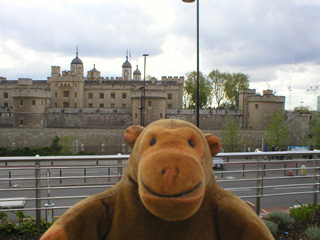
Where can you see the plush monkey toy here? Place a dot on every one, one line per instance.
(168, 191)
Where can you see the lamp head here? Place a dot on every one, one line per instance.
(188, 1)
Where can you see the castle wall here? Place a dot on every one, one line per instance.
(6, 117)
(101, 140)
(209, 118)
(88, 117)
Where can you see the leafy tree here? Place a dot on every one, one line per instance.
(55, 146)
(233, 84)
(231, 135)
(66, 146)
(314, 131)
(218, 81)
(191, 90)
(302, 109)
(277, 131)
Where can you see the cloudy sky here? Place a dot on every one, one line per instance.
(275, 42)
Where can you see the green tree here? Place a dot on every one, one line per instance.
(190, 89)
(233, 84)
(218, 81)
(66, 146)
(231, 135)
(314, 131)
(277, 131)
(55, 146)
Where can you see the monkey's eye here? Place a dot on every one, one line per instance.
(191, 143)
(153, 141)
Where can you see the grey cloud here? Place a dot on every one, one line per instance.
(101, 31)
(257, 33)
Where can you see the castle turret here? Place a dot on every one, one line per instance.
(126, 70)
(137, 74)
(77, 65)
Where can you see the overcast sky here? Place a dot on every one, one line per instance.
(275, 42)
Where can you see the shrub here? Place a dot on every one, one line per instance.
(273, 227)
(304, 212)
(301, 213)
(3, 217)
(283, 219)
(313, 233)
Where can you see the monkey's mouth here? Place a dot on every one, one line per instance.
(177, 195)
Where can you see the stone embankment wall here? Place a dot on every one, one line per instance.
(100, 140)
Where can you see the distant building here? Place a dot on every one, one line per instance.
(68, 99)
(45, 103)
(257, 110)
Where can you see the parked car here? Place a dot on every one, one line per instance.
(217, 163)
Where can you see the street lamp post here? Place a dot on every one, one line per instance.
(143, 102)
(198, 73)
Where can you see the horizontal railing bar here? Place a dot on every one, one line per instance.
(64, 158)
(55, 188)
(42, 168)
(62, 178)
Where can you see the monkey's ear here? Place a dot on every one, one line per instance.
(214, 143)
(132, 133)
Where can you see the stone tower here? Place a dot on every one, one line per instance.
(67, 89)
(137, 74)
(29, 104)
(126, 70)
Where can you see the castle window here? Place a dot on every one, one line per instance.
(65, 104)
(90, 95)
(169, 95)
(21, 122)
(75, 94)
(169, 105)
(75, 105)
(6, 104)
(256, 106)
(136, 115)
(65, 93)
(149, 103)
(113, 95)
(161, 115)
(124, 95)
(5, 95)
(101, 105)
(90, 105)
(101, 95)
(112, 105)
(55, 94)
(21, 102)
(56, 104)
(33, 102)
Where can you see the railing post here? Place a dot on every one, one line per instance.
(119, 169)
(316, 186)
(10, 183)
(85, 174)
(243, 169)
(38, 193)
(259, 190)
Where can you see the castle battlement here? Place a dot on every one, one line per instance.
(24, 82)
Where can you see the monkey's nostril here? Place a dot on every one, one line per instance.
(163, 171)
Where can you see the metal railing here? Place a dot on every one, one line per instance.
(41, 185)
